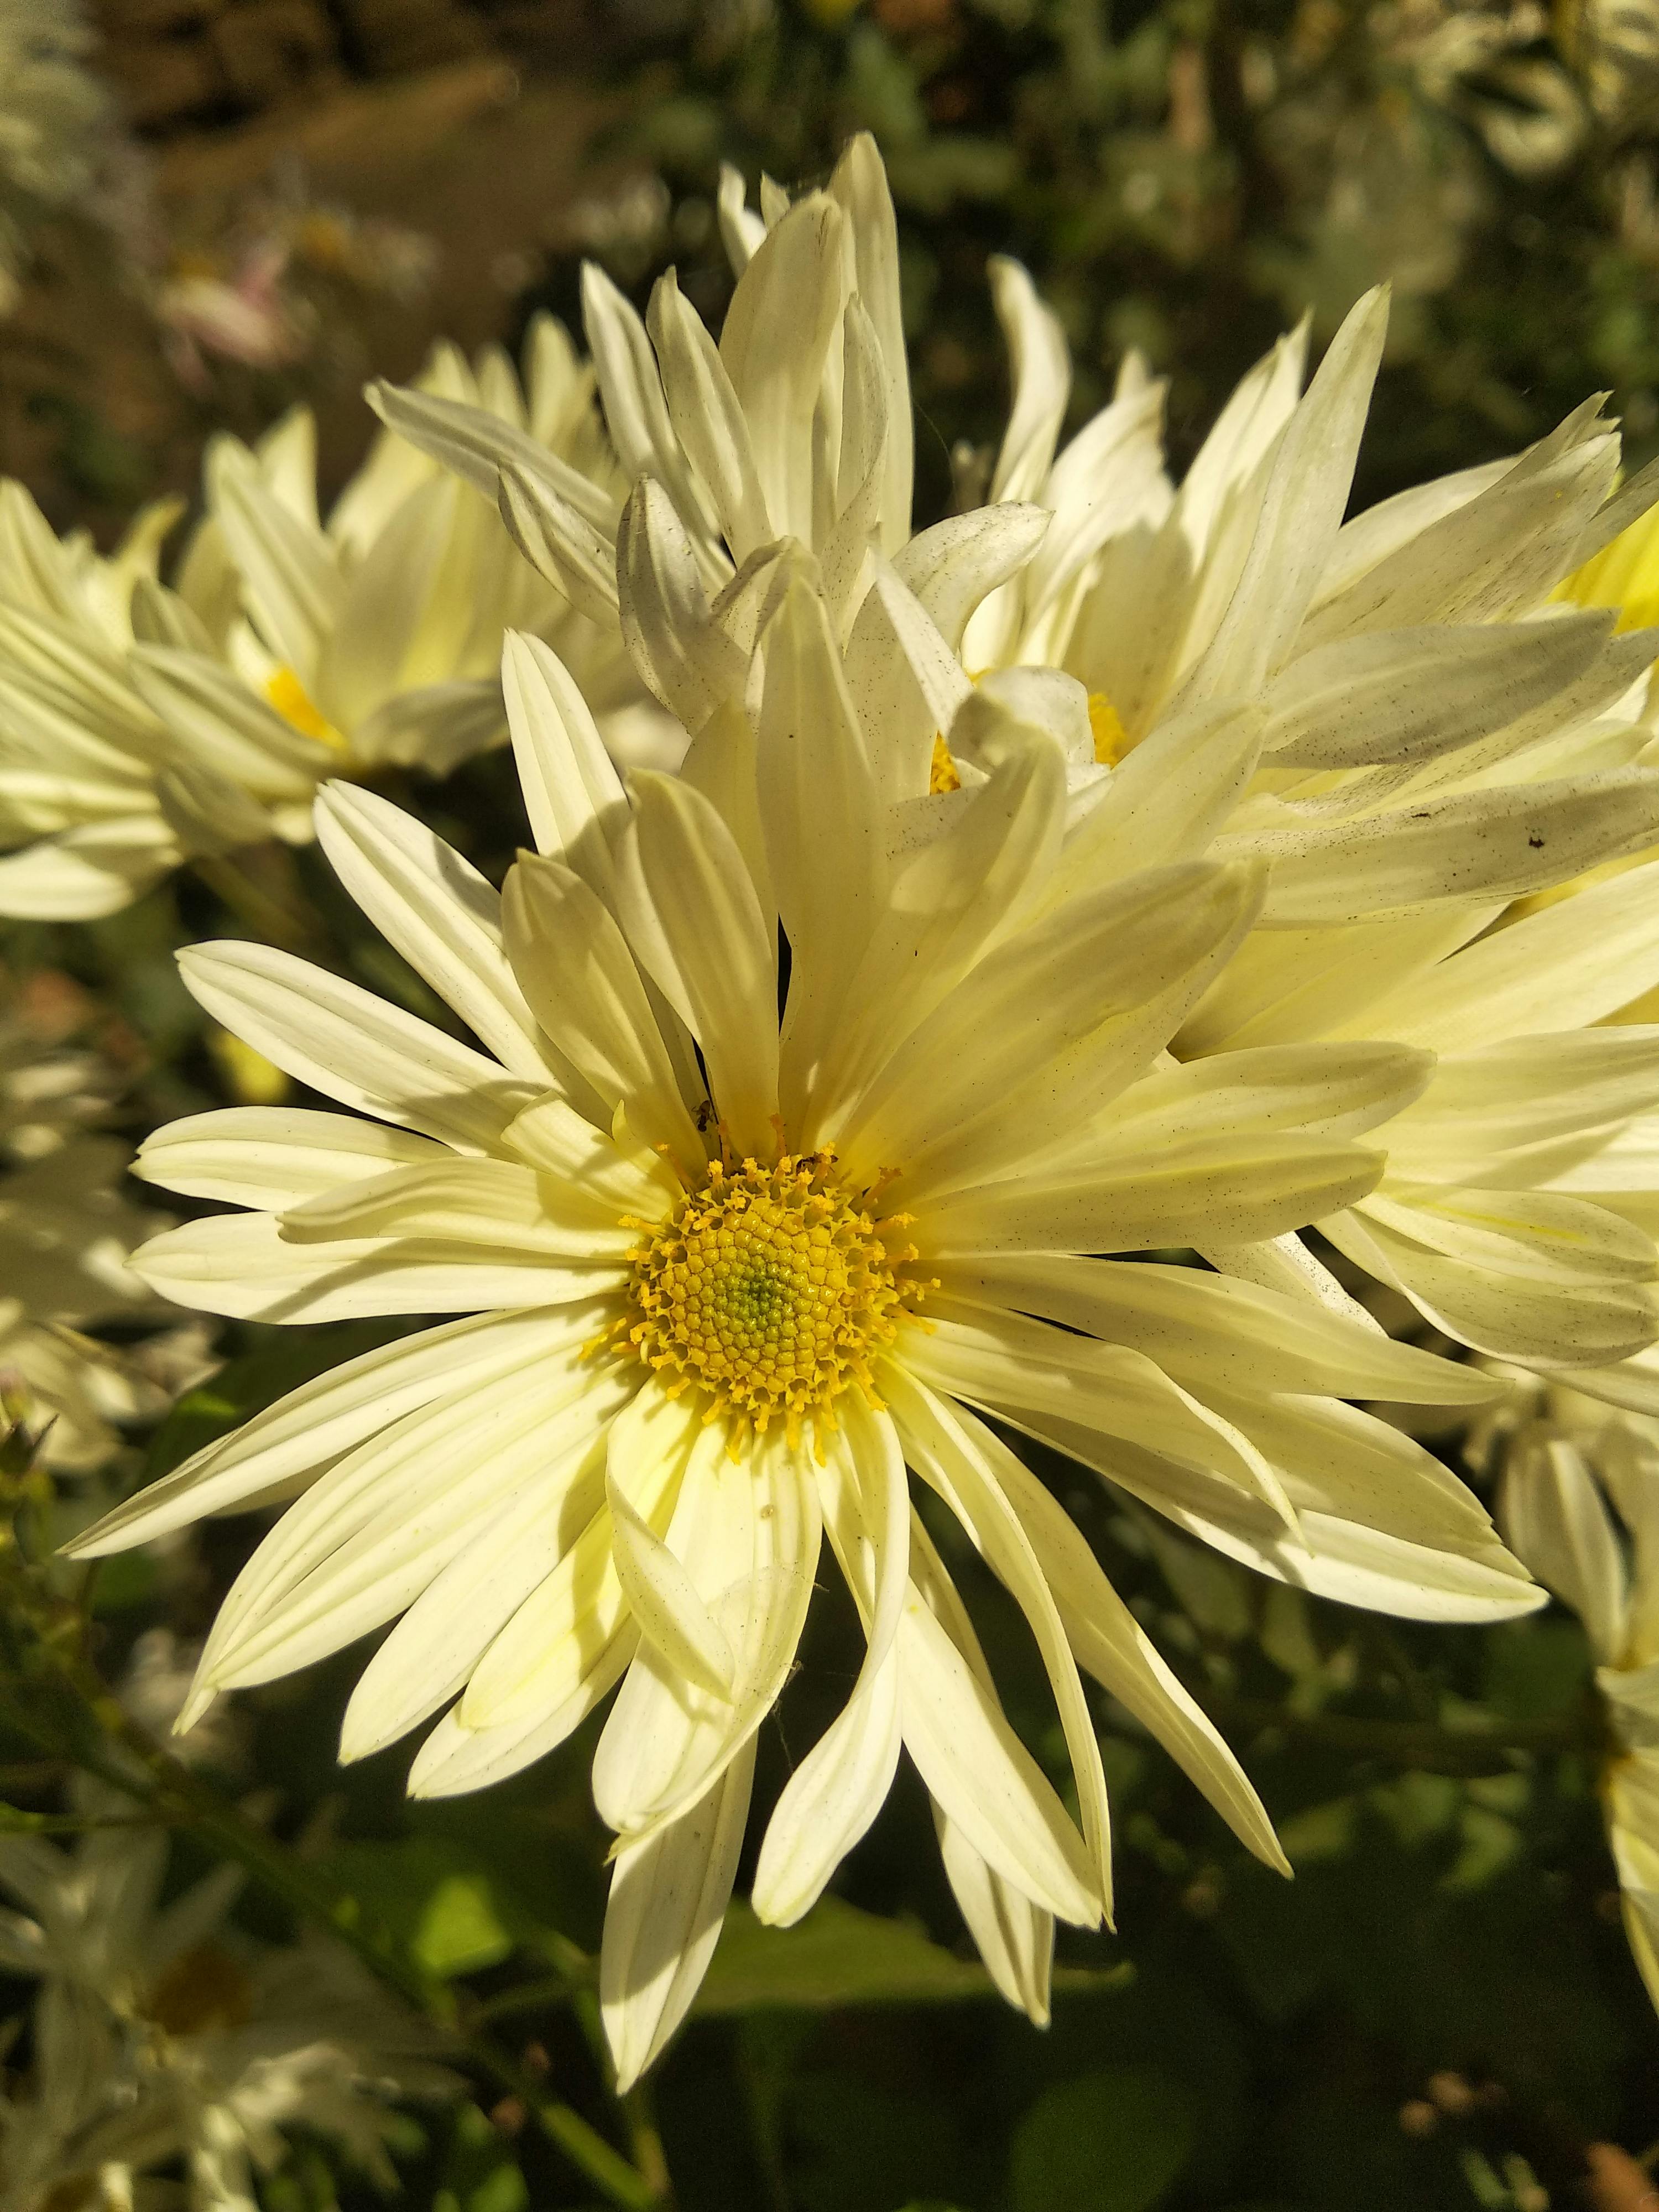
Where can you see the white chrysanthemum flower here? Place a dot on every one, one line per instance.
(141, 726)
(1580, 1503)
(1396, 713)
(729, 1275)
(1429, 734)
(1427, 720)
(797, 426)
(65, 1233)
(162, 2033)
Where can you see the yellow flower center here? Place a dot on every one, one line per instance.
(285, 692)
(771, 1289)
(1106, 725)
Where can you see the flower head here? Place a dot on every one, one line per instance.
(143, 724)
(162, 2032)
(730, 1271)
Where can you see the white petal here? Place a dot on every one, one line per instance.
(1166, 800)
(952, 565)
(1556, 1523)
(1408, 695)
(944, 905)
(1306, 491)
(696, 925)
(1495, 554)
(477, 445)
(270, 1157)
(576, 556)
(224, 727)
(673, 1619)
(365, 1541)
(574, 966)
(945, 1449)
(681, 655)
(88, 872)
(484, 1204)
(1026, 1008)
(668, 1898)
(294, 1440)
(1471, 845)
(438, 911)
(352, 1046)
(1041, 370)
(636, 413)
(747, 1532)
(539, 1658)
(455, 1759)
(1117, 1651)
(860, 187)
(982, 1777)
(425, 1661)
(290, 581)
(1236, 1189)
(1329, 1556)
(1014, 1937)
(820, 815)
(1572, 964)
(1204, 1329)
(709, 419)
(242, 1266)
(834, 1795)
(572, 792)
(777, 331)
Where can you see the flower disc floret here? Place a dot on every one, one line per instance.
(770, 1288)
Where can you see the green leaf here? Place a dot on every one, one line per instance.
(459, 1931)
(839, 1956)
(1115, 2140)
(446, 1919)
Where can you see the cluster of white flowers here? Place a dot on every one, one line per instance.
(1117, 868)
(162, 2036)
(143, 724)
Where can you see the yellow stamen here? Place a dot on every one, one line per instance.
(285, 692)
(1111, 739)
(770, 1288)
(942, 776)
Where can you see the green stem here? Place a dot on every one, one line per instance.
(527, 1997)
(645, 2142)
(1424, 1744)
